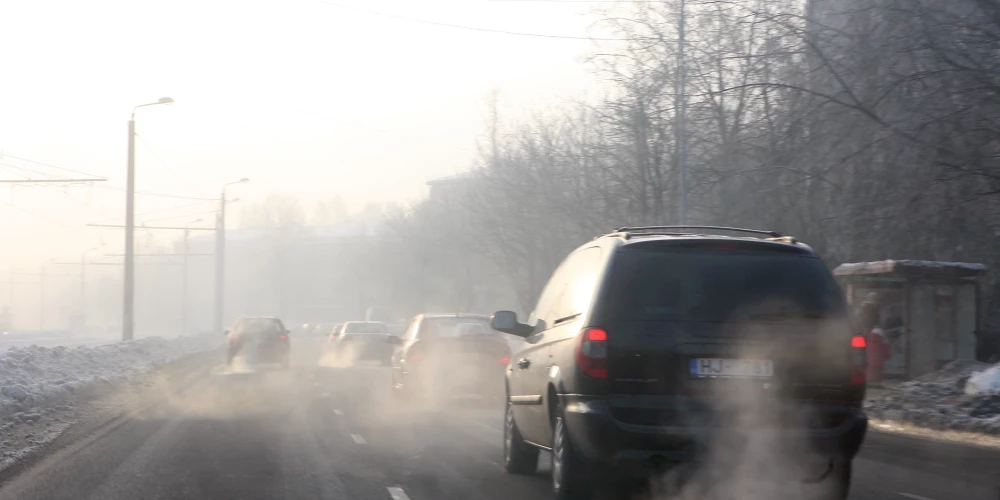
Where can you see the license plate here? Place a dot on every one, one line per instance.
(732, 368)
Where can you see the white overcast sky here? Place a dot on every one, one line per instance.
(301, 96)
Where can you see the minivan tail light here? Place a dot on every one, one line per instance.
(592, 352)
(859, 360)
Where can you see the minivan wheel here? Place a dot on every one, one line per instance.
(835, 486)
(570, 479)
(518, 457)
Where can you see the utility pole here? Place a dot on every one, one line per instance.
(128, 307)
(41, 299)
(680, 107)
(220, 259)
(220, 263)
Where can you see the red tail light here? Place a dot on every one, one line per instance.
(414, 353)
(504, 360)
(283, 337)
(859, 360)
(592, 353)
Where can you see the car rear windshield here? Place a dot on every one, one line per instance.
(257, 326)
(455, 327)
(721, 286)
(365, 328)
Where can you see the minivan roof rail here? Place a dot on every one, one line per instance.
(773, 234)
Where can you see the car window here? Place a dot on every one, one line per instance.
(563, 291)
(365, 328)
(720, 286)
(257, 326)
(411, 331)
(455, 327)
(578, 290)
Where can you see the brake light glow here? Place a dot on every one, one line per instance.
(859, 364)
(592, 352)
(504, 360)
(283, 337)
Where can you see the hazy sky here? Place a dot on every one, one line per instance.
(304, 97)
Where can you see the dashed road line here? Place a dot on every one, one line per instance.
(911, 495)
(397, 493)
(338, 412)
(358, 439)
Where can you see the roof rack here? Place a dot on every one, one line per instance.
(653, 229)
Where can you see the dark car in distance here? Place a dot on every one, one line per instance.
(360, 341)
(259, 340)
(655, 347)
(450, 354)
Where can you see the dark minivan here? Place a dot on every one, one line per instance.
(655, 347)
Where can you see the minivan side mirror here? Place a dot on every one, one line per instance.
(506, 321)
(392, 339)
(225, 332)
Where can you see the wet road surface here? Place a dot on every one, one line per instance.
(336, 433)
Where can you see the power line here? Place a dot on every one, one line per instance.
(47, 165)
(189, 205)
(150, 193)
(180, 216)
(472, 28)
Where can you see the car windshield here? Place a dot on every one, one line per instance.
(455, 327)
(721, 286)
(257, 326)
(365, 328)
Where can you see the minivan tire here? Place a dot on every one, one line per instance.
(570, 473)
(835, 486)
(838, 485)
(518, 457)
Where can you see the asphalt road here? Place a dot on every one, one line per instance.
(335, 433)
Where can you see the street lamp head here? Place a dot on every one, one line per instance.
(165, 100)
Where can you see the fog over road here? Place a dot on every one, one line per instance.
(336, 433)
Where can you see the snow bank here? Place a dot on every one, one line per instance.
(939, 401)
(984, 382)
(32, 375)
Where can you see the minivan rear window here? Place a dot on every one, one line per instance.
(715, 286)
(365, 328)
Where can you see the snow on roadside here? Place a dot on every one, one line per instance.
(938, 400)
(41, 386)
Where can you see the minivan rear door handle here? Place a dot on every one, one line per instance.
(523, 363)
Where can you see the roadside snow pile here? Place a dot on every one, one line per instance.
(32, 375)
(939, 400)
(984, 382)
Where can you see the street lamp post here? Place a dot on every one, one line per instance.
(184, 281)
(128, 308)
(83, 287)
(220, 258)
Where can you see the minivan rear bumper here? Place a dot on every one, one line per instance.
(600, 437)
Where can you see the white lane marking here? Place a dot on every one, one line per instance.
(338, 412)
(911, 495)
(397, 493)
(358, 439)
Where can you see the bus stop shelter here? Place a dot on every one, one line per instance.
(928, 309)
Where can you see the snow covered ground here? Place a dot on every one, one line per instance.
(41, 386)
(945, 400)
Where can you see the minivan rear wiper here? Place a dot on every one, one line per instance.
(797, 315)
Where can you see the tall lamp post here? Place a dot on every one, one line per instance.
(184, 280)
(128, 308)
(83, 287)
(220, 258)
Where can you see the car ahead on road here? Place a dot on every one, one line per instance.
(653, 347)
(259, 340)
(450, 354)
(360, 341)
